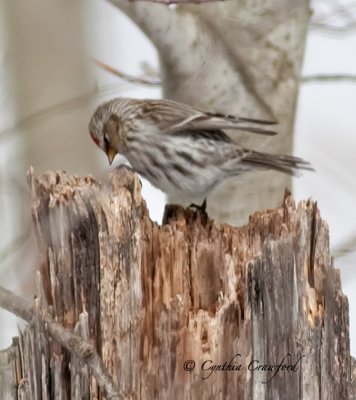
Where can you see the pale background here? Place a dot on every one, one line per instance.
(49, 86)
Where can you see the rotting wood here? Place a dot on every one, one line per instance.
(150, 298)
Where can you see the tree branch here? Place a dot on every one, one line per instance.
(328, 78)
(15, 304)
(73, 343)
(169, 2)
(58, 108)
(347, 247)
(126, 77)
(340, 19)
(328, 28)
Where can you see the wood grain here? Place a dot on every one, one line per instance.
(151, 297)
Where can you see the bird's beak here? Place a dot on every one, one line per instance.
(111, 153)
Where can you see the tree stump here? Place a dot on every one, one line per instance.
(192, 309)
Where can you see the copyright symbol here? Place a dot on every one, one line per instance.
(189, 365)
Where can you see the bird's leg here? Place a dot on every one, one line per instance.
(201, 208)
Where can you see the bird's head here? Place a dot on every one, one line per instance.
(106, 131)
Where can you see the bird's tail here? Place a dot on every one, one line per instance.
(288, 164)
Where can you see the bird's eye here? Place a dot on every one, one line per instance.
(106, 144)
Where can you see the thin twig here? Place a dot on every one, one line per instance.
(126, 77)
(149, 70)
(347, 28)
(73, 343)
(340, 19)
(345, 248)
(169, 2)
(328, 78)
(61, 107)
(15, 304)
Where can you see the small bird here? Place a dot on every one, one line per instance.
(180, 149)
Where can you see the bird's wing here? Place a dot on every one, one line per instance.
(171, 116)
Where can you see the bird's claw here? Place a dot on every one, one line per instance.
(201, 208)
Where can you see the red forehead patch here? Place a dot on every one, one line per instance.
(95, 139)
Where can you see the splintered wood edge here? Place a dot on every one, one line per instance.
(62, 186)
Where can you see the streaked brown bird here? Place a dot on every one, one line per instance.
(180, 149)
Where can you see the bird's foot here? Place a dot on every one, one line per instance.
(201, 208)
(174, 211)
(202, 213)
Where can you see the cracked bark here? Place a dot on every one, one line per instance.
(151, 297)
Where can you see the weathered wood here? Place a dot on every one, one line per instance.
(151, 298)
(8, 376)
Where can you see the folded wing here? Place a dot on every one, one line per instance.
(171, 116)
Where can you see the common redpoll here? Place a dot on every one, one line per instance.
(180, 149)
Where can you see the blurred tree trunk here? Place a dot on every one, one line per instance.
(157, 301)
(50, 66)
(241, 57)
(45, 65)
